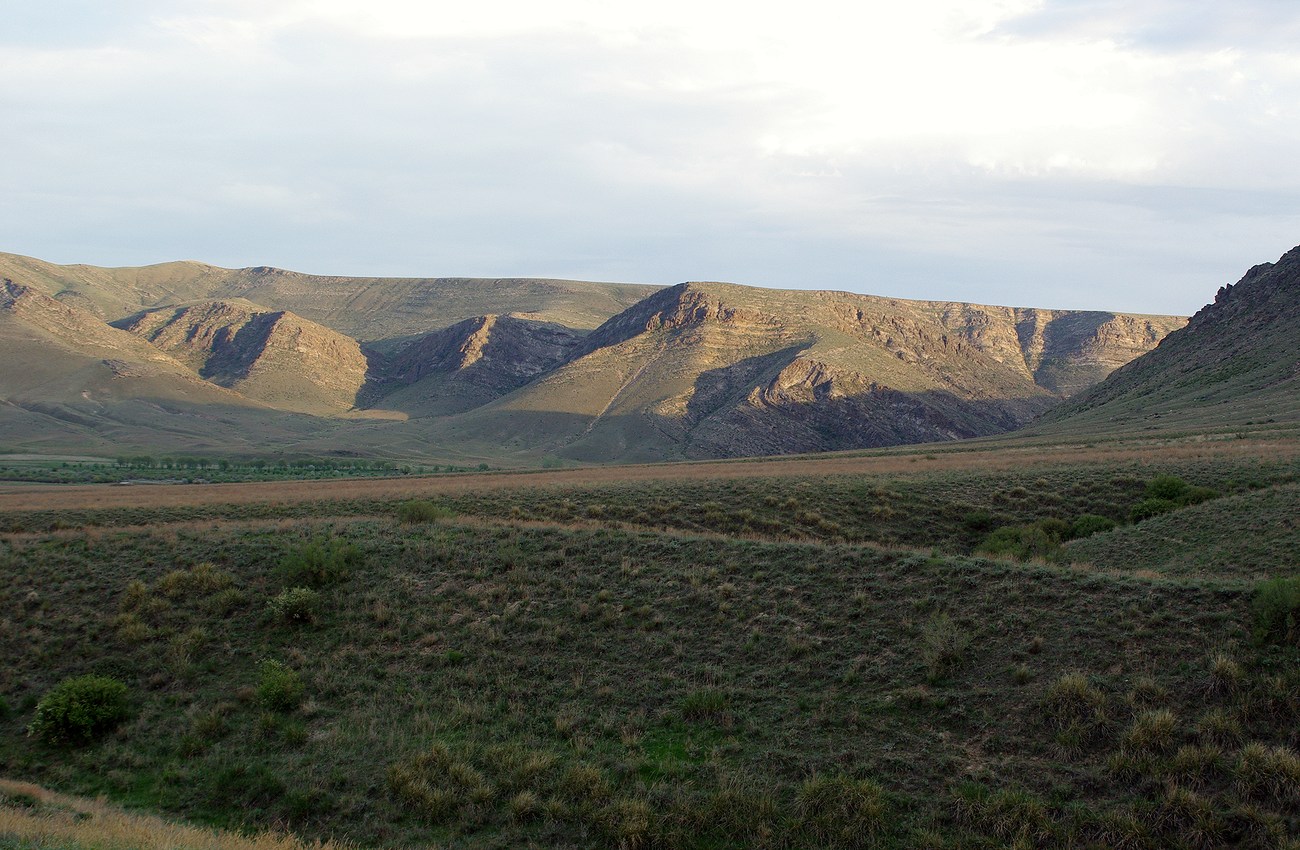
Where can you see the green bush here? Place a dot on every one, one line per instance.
(77, 710)
(319, 563)
(1090, 524)
(1169, 487)
(705, 704)
(1167, 492)
(1277, 610)
(1022, 542)
(294, 605)
(279, 688)
(418, 511)
(1148, 508)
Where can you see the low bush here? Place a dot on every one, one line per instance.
(419, 510)
(1152, 732)
(1090, 524)
(294, 605)
(78, 710)
(943, 647)
(705, 704)
(1021, 542)
(1169, 487)
(1269, 772)
(279, 688)
(1276, 607)
(1148, 508)
(320, 563)
(1167, 492)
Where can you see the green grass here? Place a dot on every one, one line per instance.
(687, 664)
(1251, 535)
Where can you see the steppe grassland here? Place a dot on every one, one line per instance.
(619, 660)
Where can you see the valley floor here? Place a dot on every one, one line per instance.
(780, 653)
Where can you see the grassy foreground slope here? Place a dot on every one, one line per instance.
(32, 818)
(663, 664)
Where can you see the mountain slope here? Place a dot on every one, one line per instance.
(1235, 363)
(368, 309)
(471, 363)
(276, 357)
(626, 373)
(72, 383)
(719, 370)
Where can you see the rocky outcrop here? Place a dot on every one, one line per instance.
(274, 356)
(711, 369)
(55, 352)
(470, 364)
(695, 370)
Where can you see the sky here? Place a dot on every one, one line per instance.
(1127, 155)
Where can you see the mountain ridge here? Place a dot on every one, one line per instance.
(700, 369)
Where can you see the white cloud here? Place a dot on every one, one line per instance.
(966, 146)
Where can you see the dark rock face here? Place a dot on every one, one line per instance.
(471, 363)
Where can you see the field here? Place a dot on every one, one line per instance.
(805, 652)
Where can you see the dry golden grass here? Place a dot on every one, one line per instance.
(57, 820)
(925, 459)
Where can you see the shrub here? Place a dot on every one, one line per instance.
(1090, 524)
(1011, 815)
(1072, 700)
(1269, 771)
(943, 646)
(1226, 675)
(77, 710)
(1277, 610)
(417, 511)
(319, 563)
(1148, 508)
(1218, 726)
(1169, 487)
(279, 688)
(840, 811)
(1022, 541)
(1152, 731)
(1166, 492)
(705, 704)
(294, 605)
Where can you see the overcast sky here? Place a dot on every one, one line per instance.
(1105, 154)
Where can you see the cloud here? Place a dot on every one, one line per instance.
(1062, 153)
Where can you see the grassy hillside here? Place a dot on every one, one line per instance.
(666, 665)
(524, 370)
(1233, 367)
(719, 370)
(367, 309)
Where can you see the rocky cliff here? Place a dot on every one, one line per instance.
(276, 357)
